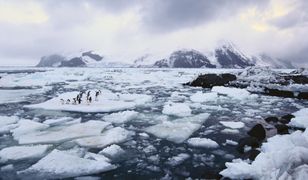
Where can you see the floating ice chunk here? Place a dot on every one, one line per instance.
(59, 164)
(300, 119)
(178, 130)
(107, 102)
(230, 131)
(87, 178)
(230, 142)
(177, 109)
(280, 154)
(53, 122)
(16, 153)
(232, 124)
(64, 133)
(177, 160)
(27, 126)
(121, 117)
(112, 151)
(204, 97)
(234, 93)
(6, 120)
(202, 142)
(111, 136)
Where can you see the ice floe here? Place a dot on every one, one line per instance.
(177, 160)
(177, 109)
(178, 130)
(59, 164)
(7, 123)
(16, 153)
(63, 133)
(232, 124)
(121, 117)
(202, 142)
(112, 151)
(106, 102)
(204, 97)
(235, 93)
(27, 126)
(111, 136)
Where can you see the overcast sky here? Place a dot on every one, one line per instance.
(127, 29)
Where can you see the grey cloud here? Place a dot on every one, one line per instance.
(162, 16)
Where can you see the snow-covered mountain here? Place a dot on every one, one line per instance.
(84, 59)
(185, 59)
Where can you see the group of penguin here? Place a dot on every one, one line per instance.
(78, 99)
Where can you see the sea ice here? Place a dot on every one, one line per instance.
(59, 164)
(178, 130)
(177, 160)
(27, 126)
(301, 118)
(112, 151)
(7, 123)
(107, 103)
(22, 152)
(111, 136)
(204, 97)
(202, 142)
(64, 133)
(53, 122)
(232, 124)
(177, 109)
(121, 117)
(235, 93)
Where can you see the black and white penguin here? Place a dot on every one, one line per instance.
(74, 101)
(88, 94)
(79, 101)
(68, 101)
(96, 95)
(90, 99)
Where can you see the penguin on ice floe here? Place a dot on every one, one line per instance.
(96, 95)
(74, 101)
(68, 101)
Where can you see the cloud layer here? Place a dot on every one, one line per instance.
(128, 29)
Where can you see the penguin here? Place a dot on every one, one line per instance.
(79, 101)
(75, 101)
(68, 101)
(88, 94)
(96, 95)
(62, 101)
(90, 99)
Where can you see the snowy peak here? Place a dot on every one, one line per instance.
(229, 56)
(185, 59)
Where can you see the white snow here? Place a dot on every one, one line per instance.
(111, 136)
(204, 97)
(22, 152)
(112, 151)
(176, 109)
(281, 157)
(178, 130)
(202, 142)
(301, 118)
(235, 93)
(59, 164)
(106, 102)
(121, 117)
(64, 133)
(27, 126)
(232, 124)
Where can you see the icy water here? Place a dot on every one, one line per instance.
(146, 155)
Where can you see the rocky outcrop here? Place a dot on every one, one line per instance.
(92, 55)
(75, 62)
(210, 80)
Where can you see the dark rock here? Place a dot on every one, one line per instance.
(247, 141)
(258, 132)
(75, 62)
(53, 60)
(279, 93)
(90, 54)
(282, 129)
(302, 95)
(271, 119)
(251, 154)
(297, 79)
(163, 63)
(210, 80)
(286, 118)
(211, 174)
